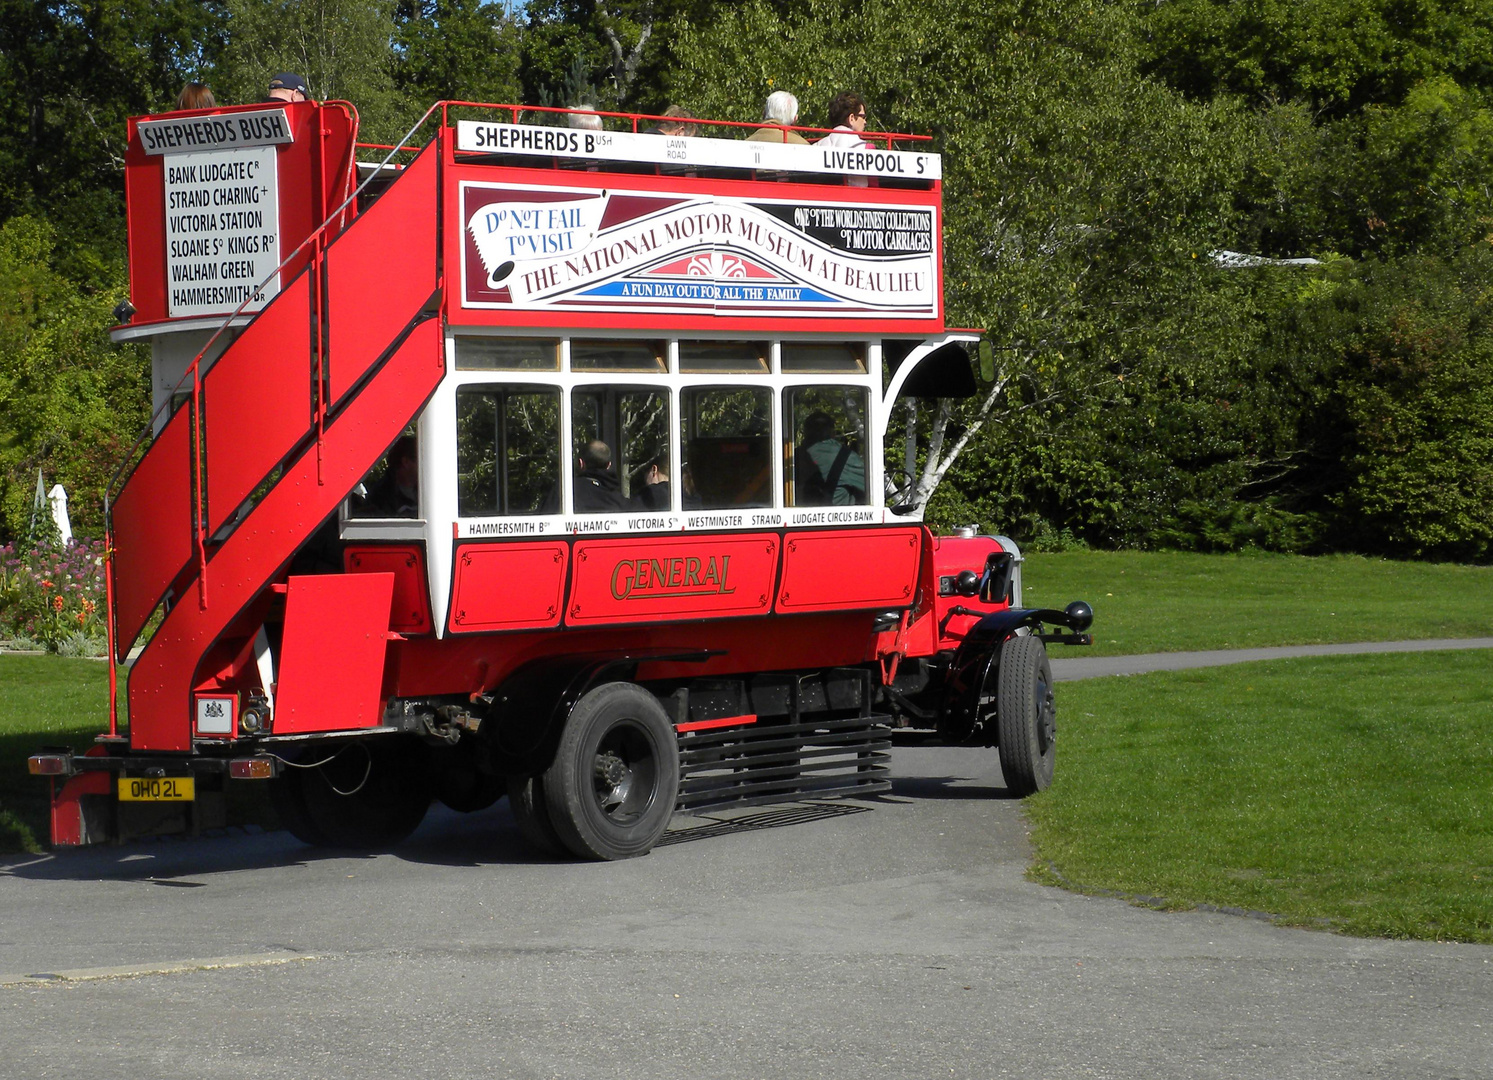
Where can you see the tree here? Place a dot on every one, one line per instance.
(1081, 200)
(73, 403)
(342, 48)
(70, 74)
(466, 50)
(1339, 56)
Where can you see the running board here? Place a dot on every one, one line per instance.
(781, 761)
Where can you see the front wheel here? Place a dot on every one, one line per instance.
(1026, 718)
(615, 777)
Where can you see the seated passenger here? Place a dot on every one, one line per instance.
(676, 122)
(827, 472)
(654, 494)
(397, 493)
(597, 489)
(781, 108)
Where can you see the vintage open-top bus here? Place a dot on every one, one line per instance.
(542, 461)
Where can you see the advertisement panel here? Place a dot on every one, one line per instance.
(554, 249)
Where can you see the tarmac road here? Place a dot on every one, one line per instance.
(895, 937)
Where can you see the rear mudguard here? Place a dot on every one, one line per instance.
(528, 709)
(977, 661)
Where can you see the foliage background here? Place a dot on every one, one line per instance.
(1099, 157)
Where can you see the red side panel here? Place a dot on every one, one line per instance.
(508, 586)
(708, 577)
(844, 570)
(381, 273)
(258, 401)
(332, 656)
(409, 611)
(152, 529)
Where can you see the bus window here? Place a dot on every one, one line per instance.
(507, 451)
(618, 356)
(827, 357)
(712, 357)
(391, 488)
(507, 354)
(633, 423)
(727, 433)
(826, 467)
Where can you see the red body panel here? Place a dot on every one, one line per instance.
(381, 273)
(331, 681)
(508, 586)
(846, 569)
(472, 663)
(662, 578)
(952, 554)
(67, 806)
(409, 608)
(315, 163)
(260, 404)
(152, 529)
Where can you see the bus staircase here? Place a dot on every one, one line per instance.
(279, 430)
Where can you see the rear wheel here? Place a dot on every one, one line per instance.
(612, 787)
(1026, 718)
(362, 795)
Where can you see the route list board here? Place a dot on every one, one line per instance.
(222, 209)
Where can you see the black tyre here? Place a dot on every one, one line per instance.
(362, 795)
(612, 787)
(526, 799)
(1026, 719)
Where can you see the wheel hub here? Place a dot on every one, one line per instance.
(1047, 719)
(613, 780)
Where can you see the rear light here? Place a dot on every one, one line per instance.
(252, 768)
(50, 764)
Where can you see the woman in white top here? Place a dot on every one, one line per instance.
(847, 115)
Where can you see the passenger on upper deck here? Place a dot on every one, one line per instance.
(597, 489)
(195, 95)
(781, 108)
(847, 115)
(585, 118)
(678, 122)
(288, 87)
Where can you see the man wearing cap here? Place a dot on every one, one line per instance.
(288, 87)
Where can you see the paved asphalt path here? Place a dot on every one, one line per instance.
(882, 938)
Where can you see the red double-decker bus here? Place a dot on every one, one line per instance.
(542, 461)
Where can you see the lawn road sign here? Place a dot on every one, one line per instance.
(222, 208)
(644, 251)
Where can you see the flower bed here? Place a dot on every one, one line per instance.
(53, 598)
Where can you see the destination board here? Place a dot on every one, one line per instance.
(222, 230)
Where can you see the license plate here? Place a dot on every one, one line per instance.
(157, 788)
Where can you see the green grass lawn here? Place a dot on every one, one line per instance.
(44, 700)
(1354, 791)
(1170, 601)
